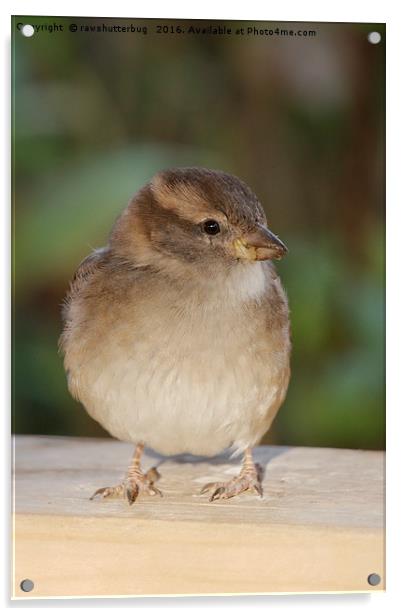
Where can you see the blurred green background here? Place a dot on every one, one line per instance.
(300, 119)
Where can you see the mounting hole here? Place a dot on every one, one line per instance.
(27, 30)
(27, 585)
(374, 579)
(374, 38)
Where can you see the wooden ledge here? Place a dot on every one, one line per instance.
(318, 528)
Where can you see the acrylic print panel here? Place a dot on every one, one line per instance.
(251, 155)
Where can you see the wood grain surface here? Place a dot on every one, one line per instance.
(318, 528)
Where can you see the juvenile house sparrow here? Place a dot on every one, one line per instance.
(176, 333)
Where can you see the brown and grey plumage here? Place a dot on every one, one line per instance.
(176, 333)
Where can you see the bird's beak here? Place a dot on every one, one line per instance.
(258, 245)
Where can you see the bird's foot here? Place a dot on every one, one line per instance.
(135, 484)
(246, 480)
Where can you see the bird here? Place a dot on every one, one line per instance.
(176, 334)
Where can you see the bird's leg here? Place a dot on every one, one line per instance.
(135, 482)
(249, 477)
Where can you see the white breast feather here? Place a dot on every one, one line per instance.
(192, 384)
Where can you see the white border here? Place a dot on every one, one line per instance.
(309, 10)
(339, 11)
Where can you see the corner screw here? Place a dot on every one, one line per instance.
(374, 579)
(27, 585)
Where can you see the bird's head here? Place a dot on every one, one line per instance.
(198, 217)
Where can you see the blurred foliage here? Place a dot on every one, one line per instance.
(300, 120)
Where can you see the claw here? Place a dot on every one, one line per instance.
(217, 493)
(99, 491)
(132, 493)
(257, 487)
(131, 488)
(233, 487)
(104, 492)
(154, 491)
(259, 471)
(207, 487)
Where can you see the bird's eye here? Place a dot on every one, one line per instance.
(211, 227)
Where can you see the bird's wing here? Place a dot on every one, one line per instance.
(84, 273)
(87, 269)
